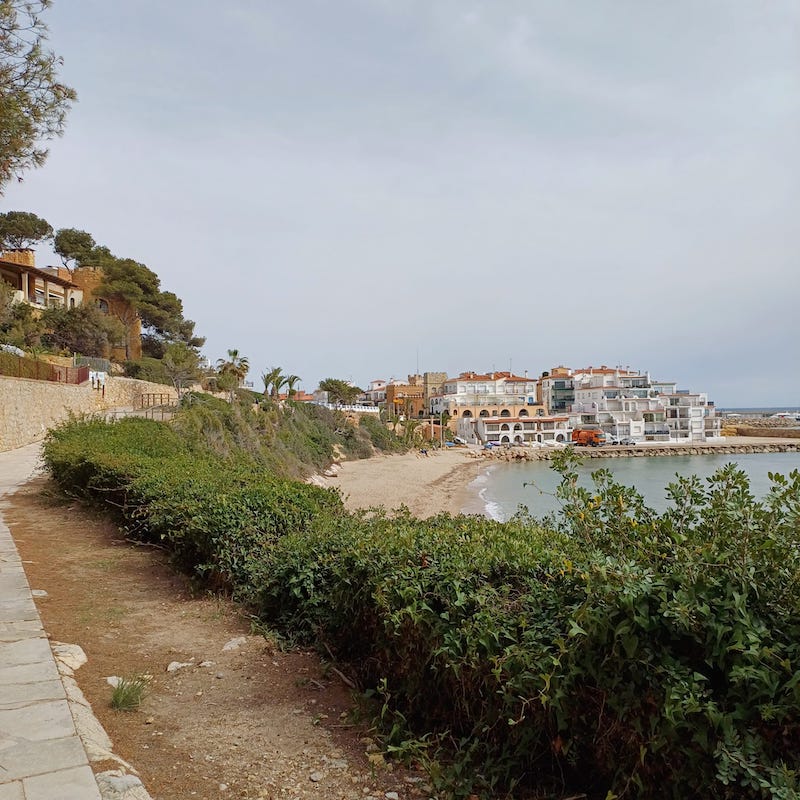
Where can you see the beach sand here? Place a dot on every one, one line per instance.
(427, 485)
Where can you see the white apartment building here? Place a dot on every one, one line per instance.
(630, 404)
(495, 394)
(515, 430)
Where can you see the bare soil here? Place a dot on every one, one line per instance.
(258, 722)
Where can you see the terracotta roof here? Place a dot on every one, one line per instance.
(11, 266)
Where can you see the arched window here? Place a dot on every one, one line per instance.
(467, 413)
(484, 413)
(523, 413)
(505, 413)
(505, 427)
(72, 302)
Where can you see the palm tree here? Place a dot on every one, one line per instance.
(291, 382)
(270, 378)
(278, 384)
(236, 365)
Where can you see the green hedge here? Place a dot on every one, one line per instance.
(216, 517)
(616, 651)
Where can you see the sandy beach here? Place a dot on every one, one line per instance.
(428, 485)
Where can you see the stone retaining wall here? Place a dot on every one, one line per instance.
(29, 408)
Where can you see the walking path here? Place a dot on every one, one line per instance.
(41, 755)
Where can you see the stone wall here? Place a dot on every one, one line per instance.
(28, 408)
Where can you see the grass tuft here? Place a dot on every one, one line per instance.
(129, 693)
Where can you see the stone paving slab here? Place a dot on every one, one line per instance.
(36, 722)
(29, 673)
(12, 791)
(30, 650)
(19, 695)
(25, 759)
(13, 631)
(72, 784)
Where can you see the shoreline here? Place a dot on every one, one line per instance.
(444, 481)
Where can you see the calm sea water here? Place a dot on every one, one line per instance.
(499, 490)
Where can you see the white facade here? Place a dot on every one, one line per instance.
(473, 395)
(519, 430)
(376, 393)
(624, 404)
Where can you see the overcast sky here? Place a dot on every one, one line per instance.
(353, 189)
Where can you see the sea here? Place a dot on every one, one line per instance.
(502, 489)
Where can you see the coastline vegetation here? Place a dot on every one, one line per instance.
(613, 651)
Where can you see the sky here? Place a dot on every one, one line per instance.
(366, 188)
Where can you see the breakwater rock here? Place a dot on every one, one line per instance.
(644, 451)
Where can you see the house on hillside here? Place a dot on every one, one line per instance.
(40, 288)
(45, 287)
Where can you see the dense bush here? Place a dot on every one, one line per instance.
(148, 369)
(380, 436)
(216, 517)
(614, 651)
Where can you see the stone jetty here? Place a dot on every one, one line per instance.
(647, 450)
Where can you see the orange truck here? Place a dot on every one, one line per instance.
(588, 437)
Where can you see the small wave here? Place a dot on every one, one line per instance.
(494, 511)
(491, 508)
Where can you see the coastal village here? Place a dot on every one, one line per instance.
(506, 409)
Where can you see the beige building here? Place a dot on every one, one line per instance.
(40, 288)
(479, 395)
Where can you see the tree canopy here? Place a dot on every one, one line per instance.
(134, 292)
(181, 364)
(339, 391)
(33, 102)
(22, 229)
(73, 246)
(83, 329)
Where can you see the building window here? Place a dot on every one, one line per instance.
(505, 413)
(102, 305)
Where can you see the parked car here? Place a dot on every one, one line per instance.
(627, 441)
(613, 440)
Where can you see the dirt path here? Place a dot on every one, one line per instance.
(247, 722)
